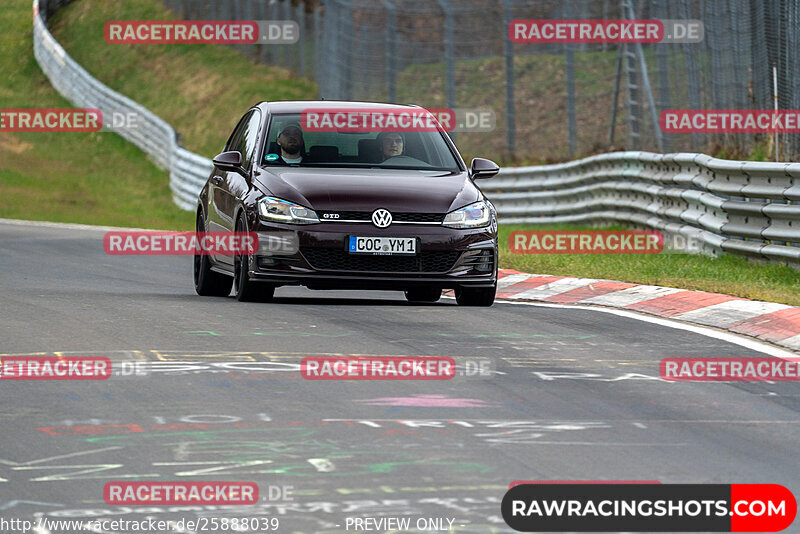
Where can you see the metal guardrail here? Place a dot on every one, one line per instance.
(739, 207)
(187, 171)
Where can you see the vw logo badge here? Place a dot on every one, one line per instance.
(381, 218)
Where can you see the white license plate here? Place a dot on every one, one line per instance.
(382, 245)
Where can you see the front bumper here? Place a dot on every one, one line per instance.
(446, 257)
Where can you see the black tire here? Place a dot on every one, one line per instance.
(246, 289)
(208, 283)
(475, 296)
(423, 294)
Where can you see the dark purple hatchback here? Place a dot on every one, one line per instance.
(348, 209)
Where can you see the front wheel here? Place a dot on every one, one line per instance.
(207, 282)
(475, 296)
(246, 289)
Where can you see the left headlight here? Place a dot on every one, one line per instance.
(279, 210)
(475, 215)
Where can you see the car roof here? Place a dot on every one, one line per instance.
(297, 106)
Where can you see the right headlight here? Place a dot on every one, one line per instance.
(279, 210)
(476, 215)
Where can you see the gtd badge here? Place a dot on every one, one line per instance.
(330, 215)
(381, 218)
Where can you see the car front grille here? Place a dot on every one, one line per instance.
(366, 216)
(418, 217)
(429, 261)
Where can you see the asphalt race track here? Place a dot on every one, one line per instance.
(574, 395)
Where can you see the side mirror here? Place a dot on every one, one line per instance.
(483, 168)
(229, 161)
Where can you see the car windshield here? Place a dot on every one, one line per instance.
(295, 139)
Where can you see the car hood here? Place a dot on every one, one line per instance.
(369, 189)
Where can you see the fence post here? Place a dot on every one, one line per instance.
(286, 48)
(272, 53)
(301, 41)
(236, 14)
(650, 100)
(390, 47)
(634, 140)
(261, 48)
(663, 73)
(317, 17)
(615, 100)
(569, 75)
(328, 76)
(346, 20)
(250, 14)
(508, 52)
(693, 85)
(449, 56)
(637, 57)
(572, 127)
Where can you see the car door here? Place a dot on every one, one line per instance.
(218, 220)
(216, 196)
(234, 184)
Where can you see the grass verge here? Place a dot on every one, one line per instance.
(90, 178)
(201, 90)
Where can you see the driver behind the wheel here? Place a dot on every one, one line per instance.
(391, 144)
(290, 140)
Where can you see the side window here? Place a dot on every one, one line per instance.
(246, 143)
(233, 140)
